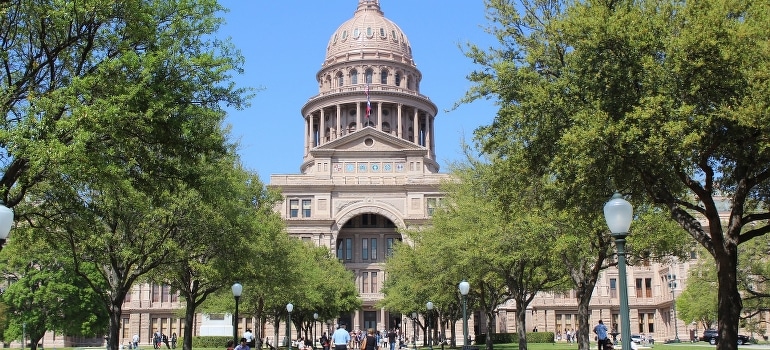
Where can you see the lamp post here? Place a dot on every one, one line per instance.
(6, 221)
(429, 306)
(465, 287)
(237, 289)
(414, 330)
(618, 214)
(672, 285)
(289, 308)
(315, 323)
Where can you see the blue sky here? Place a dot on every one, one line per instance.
(284, 43)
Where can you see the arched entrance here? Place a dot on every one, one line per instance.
(364, 242)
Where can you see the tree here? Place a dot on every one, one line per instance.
(44, 293)
(112, 113)
(650, 98)
(238, 211)
(78, 78)
(698, 301)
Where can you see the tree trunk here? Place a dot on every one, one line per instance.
(490, 329)
(189, 320)
(113, 342)
(521, 324)
(729, 299)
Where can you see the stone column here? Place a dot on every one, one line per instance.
(338, 134)
(416, 127)
(322, 128)
(399, 131)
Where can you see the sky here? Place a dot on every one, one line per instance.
(284, 43)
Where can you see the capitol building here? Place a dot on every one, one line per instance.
(369, 171)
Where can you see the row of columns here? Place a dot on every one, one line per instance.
(315, 133)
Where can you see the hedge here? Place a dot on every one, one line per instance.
(505, 338)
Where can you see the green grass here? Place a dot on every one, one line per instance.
(512, 346)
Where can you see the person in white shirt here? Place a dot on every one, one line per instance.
(249, 337)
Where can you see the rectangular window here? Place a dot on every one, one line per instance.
(354, 78)
(165, 293)
(369, 220)
(389, 247)
(293, 208)
(641, 322)
(365, 282)
(305, 208)
(348, 249)
(639, 288)
(375, 288)
(431, 206)
(155, 293)
(648, 287)
(365, 248)
(651, 323)
(373, 248)
(613, 288)
(125, 325)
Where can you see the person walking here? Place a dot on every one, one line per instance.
(392, 338)
(173, 340)
(135, 341)
(601, 334)
(370, 339)
(340, 338)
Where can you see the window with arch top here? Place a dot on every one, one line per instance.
(384, 77)
(354, 77)
(369, 73)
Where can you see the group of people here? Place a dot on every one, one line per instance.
(159, 338)
(340, 339)
(569, 335)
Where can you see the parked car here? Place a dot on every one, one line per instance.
(712, 336)
(636, 338)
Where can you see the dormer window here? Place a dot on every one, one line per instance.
(356, 33)
(369, 32)
(344, 35)
(382, 33)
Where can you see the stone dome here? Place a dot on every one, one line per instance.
(369, 31)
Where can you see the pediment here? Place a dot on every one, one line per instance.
(369, 140)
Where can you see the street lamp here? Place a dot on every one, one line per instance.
(429, 306)
(414, 330)
(315, 323)
(465, 287)
(672, 285)
(618, 214)
(237, 289)
(289, 308)
(6, 221)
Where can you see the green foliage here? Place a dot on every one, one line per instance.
(209, 342)
(666, 101)
(45, 293)
(505, 338)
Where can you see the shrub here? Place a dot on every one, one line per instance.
(505, 338)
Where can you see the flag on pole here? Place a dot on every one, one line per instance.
(368, 103)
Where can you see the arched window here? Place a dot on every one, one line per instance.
(384, 76)
(340, 80)
(386, 127)
(398, 79)
(352, 127)
(369, 74)
(353, 77)
(370, 123)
